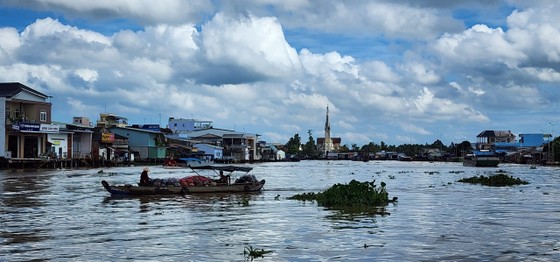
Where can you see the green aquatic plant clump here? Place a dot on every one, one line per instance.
(353, 194)
(252, 253)
(495, 180)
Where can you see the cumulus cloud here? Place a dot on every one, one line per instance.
(414, 129)
(255, 46)
(367, 18)
(238, 68)
(10, 42)
(479, 46)
(145, 12)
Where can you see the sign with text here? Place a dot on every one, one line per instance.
(27, 127)
(49, 128)
(152, 127)
(32, 127)
(107, 137)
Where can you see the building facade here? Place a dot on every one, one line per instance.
(25, 122)
(184, 125)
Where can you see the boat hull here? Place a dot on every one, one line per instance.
(482, 162)
(177, 190)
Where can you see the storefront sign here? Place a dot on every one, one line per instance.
(49, 128)
(151, 127)
(28, 127)
(107, 137)
(31, 127)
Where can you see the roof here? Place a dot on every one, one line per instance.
(135, 129)
(211, 131)
(10, 90)
(207, 145)
(495, 133)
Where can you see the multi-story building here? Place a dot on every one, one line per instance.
(184, 125)
(487, 139)
(108, 120)
(25, 122)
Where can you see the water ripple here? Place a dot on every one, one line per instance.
(67, 215)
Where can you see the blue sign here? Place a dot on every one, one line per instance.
(26, 127)
(152, 127)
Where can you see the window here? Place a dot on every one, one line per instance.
(43, 116)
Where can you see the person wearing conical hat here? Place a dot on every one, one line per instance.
(144, 178)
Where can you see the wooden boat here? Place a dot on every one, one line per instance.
(482, 158)
(245, 183)
(186, 162)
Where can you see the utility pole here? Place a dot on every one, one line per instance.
(551, 146)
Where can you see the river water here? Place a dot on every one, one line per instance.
(66, 215)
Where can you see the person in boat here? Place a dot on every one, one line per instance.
(223, 178)
(170, 162)
(144, 178)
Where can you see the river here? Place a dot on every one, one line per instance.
(66, 215)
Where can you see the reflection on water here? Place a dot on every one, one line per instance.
(67, 215)
(348, 218)
(23, 224)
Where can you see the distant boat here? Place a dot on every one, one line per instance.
(403, 157)
(186, 162)
(481, 158)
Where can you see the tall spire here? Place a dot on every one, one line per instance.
(327, 124)
(328, 144)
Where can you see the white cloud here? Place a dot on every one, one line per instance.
(479, 45)
(143, 11)
(366, 18)
(421, 74)
(161, 41)
(51, 28)
(255, 44)
(476, 91)
(238, 68)
(10, 42)
(88, 75)
(379, 71)
(543, 74)
(408, 127)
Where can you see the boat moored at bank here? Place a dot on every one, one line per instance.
(482, 158)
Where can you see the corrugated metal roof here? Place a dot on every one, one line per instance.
(11, 89)
(495, 133)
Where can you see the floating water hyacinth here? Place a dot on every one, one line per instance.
(494, 180)
(353, 194)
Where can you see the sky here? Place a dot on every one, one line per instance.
(397, 71)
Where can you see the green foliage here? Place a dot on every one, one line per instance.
(252, 253)
(553, 148)
(293, 145)
(310, 149)
(353, 194)
(495, 180)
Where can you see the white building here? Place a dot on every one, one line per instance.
(183, 125)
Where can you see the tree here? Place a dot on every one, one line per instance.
(552, 149)
(370, 148)
(438, 144)
(383, 146)
(294, 145)
(310, 149)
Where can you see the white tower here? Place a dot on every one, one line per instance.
(328, 144)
